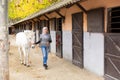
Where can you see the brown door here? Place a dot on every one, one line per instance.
(59, 37)
(112, 56)
(112, 45)
(77, 37)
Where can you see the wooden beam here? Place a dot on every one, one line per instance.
(46, 16)
(30, 20)
(50, 12)
(60, 14)
(38, 18)
(81, 7)
(25, 22)
(33, 20)
(70, 5)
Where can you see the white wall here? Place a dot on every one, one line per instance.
(37, 36)
(53, 44)
(67, 45)
(94, 52)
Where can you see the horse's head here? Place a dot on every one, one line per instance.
(30, 36)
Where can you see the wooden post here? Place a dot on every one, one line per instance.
(4, 44)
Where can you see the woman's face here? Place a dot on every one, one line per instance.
(45, 31)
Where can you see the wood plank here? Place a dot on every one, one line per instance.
(95, 20)
(77, 33)
(112, 56)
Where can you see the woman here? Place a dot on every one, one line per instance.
(45, 40)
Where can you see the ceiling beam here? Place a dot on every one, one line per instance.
(70, 5)
(38, 18)
(81, 7)
(46, 16)
(60, 14)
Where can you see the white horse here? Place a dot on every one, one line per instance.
(24, 42)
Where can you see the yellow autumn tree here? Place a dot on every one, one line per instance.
(19, 9)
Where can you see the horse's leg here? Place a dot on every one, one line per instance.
(27, 57)
(20, 52)
(24, 55)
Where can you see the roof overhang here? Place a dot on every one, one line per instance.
(51, 8)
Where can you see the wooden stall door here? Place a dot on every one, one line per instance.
(77, 38)
(112, 56)
(59, 37)
(112, 45)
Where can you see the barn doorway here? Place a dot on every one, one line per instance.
(77, 39)
(59, 37)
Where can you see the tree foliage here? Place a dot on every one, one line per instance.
(19, 9)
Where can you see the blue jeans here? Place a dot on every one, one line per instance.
(45, 54)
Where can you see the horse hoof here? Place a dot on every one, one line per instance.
(24, 64)
(28, 65)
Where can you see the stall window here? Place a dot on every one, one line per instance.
(30, 24)
(59, 24)
(114, 20)
(53, 24)
(44, 23)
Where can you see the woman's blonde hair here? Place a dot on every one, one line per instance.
(44, 29)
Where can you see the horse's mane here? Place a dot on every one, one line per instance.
(28, 32)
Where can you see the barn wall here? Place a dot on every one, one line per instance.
(94, 42)
(67, 25)
(53, 33)
(100, 3)
(53, 44)
(67, 31)
(67, 45)
(37, 35)
(94, 52)
(67, 12)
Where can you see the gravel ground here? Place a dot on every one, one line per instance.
(59, 69)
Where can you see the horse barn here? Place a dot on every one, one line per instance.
(84, 32)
